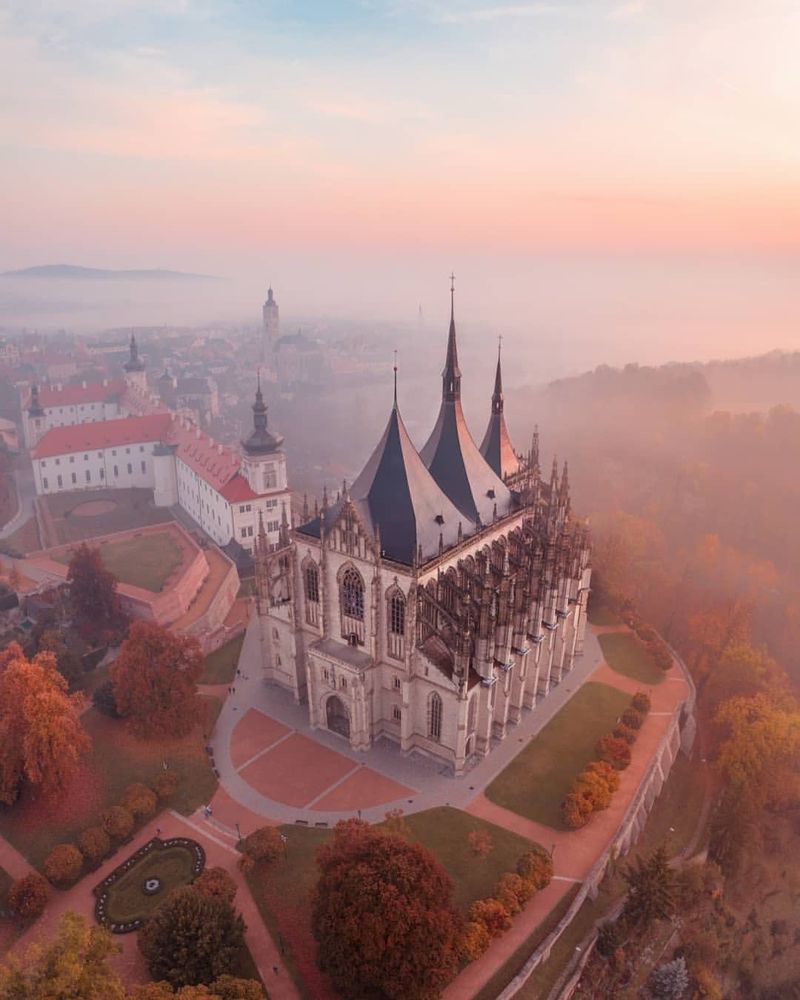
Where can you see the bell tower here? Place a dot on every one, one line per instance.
(263, 461)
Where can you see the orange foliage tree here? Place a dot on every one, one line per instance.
(155, 681)
(383, 916)
(42, 740)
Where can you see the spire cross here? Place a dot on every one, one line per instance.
(452, 291)
(395, 378)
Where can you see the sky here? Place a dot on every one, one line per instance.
(627, 169)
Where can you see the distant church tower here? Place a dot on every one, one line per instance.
(272, 326)
(134, 367)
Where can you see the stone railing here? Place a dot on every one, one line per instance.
(679, 735)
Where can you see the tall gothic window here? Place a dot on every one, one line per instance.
(472, 714)
(435, 717)
(396, 620)
(352, 604)
(311, 581)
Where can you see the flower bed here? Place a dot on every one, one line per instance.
(127, 897)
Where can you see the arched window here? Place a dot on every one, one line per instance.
(352, 604)
(435, 717)
(396, 622)
(311, 585)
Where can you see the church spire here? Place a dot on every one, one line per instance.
(451, 376)
(262, 440)
(497, 395)
(134, 362)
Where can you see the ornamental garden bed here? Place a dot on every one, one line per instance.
(127, 897)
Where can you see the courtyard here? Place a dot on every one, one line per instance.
(77, 517)
(146, 561)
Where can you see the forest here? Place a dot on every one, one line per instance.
(689, 477)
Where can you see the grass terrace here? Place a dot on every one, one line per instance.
(146, 561)
(127, 509)
(117, 759)
(535, 782)
(283, 892)
(626, 655)
(219, 667)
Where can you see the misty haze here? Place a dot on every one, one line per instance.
(399, 449)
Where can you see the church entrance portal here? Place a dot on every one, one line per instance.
(337, 717)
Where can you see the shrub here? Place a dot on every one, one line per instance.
(606, 772)
(608, 938)
(633, 620)
(623, 732)
(216, 882)
(646, 632)
(660, 654)
(103, 700)
(576, 810)
(94, 844)
(632, 719)
(140, 800)
(594, 788)
(614, 751)
(536, 867)
(28, 896)
(474, 941)
(492, 914)
(166, 784)
(641, 702)
(264, 844)
(118, 822)
(63, 864)
(513, 892)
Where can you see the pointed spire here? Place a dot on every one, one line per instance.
(497, 395)
(262, 440)
(451, 376)
(325, 497)
(262, 543)
(535, 448)
(284, 532)
(305, 506)
(395, 379)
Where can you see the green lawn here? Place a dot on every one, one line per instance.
(219, 667)
(626, 655)
(146, 561)
(173, 866)
(133, 508)
(444, 831)
(535, 782)
(117, 759)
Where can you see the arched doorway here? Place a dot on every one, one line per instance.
(337, 716)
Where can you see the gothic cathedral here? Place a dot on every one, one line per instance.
(438, 598)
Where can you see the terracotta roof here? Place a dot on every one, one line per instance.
(72, 395)
(214, 463)
(238, 489)
(102, 434)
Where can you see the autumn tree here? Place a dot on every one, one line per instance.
(166, 783)
(223, 988)
(651, 890)
(42, 739)
(140, 800)
(155, 681)
(68, 663)
(28, 896)
(383, 916)
(74, 965)
(492, 914)
(614, 751)
(536, 867)
(118, 822)
(263, 845)
(192, 938)
(216, 882)
(759, 752)
(93, 590)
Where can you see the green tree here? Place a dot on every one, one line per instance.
(651, 890)
(192, 938)
(93, 590)
(670, 981)
(74, 966)
(383, 916)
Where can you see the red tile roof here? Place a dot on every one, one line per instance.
(73, 395)
(238, 489)
(102, 434)
(213, 462)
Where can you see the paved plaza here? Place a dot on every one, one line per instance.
(273, 765)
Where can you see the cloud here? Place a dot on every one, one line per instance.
(503, 12)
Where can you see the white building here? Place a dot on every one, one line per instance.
(65, 404)
(228, 492)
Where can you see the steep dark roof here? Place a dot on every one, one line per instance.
(452, 456)
(396, 495)
(496, 447)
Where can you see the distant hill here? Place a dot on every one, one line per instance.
(73, 272)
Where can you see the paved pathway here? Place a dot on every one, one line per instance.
(433, 782)
(26, 491)
(12, 861)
